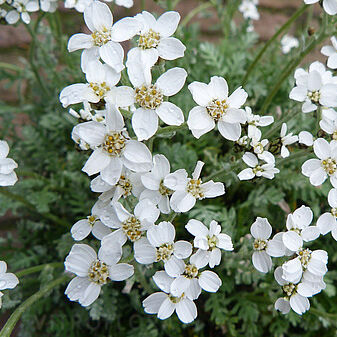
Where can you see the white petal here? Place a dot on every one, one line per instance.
(200, 259)
(153, 302)
(91, 293)
(174, 267)
(219, 87)
(261, 229)
(182, 201)
(199, 121)
(177, 180)
(310, 166)
(318, 177)
(137, 157)
(97, 16)
(325, 223)
(144, 123)
(322, 148)
(160, 234)
(310, 233)
(80, 41)
(262, 261)
(214, 257)
(225, 242)
(282, 305)
(299, 304)
(230, 131)
(144, 252)
(276, 247)
(167, 23)
(4, 149)
(237, 98)
(8, 281)
(180, 285)
(99, 231)
(96, 162)
(170, 114)
(170, 48)
(299, 93)
(212, 189)
(81, 229)
(163, 280)
(186, 310)
(292, 240)
(246, 174)
(201, 93)
(182, 249)
(197, 228)
(112, 54)
(125, 29)
(172, 81)
(166, 309)
(209, 281)
(120, 271)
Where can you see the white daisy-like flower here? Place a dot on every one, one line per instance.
(113, 148)
(155, 190)
(21, 9)
(331, 52)
(131, 226)
(209, 241)
(254, 121)
(150, 98)
(249, 10)
(129, 183)
(296, 294)
(88, 114)
(92, 224)
(188, 190)
(215, 106)
(101, 82)
(7, 165)
(313, 261)
(306, 138)
(259, 146)
(7, 280)
(93, 271)
(103, 42)
(327, 222)
(299, 229)
(159, 245)
(164, 303)
(315, 87)
(155, 39)
(288, 42)
(267, 170)
(325, 166)
(330, 6)
(189, 278)
(264, 248)
(286, 139)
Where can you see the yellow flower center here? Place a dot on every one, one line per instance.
(163, 190)
(164, 252)
(149, 97)
(216, 109)
(101, 37)
(212, 241)
(334, 212)
(191, 271)
(194, 187)
(98, 272)
(100, 89)
(125, 184)
(114, 144)
(132, 228)
(304, 255)
(329, 165)
(92, 219)
(259, 244)
(314, 96)
(149, 40)
(289, 289)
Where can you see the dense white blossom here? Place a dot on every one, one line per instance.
(286, 139)
(7, 280)
(330, 6)
(21, 9)
(188, 190)
(255, 121)
(249, 10)
(288, 42)
(93, 271)
(331, 52)
(325, 166)
(216, 107)
(316, 87)
(7, 165)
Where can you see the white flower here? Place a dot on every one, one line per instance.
(264, 248)
(288, 42)
(164, 303)
(131, 226)
(92, 224)
(319, 169)
(249, 10)
(189, 279)
(150, 99)
(331, 52)
(101, 85)
(155, 190)
(104, 37)
(330, 6)
(286, 139)
(258, 147)
(7, 280)
(209, 241)
(7, 165)
(328, 221)
(254, 121)
(113, 148)
(127, 184)
(313, 261)
(124, 3)
(155, 39)
(188, 190)
(329, 126)
(315, 88)
(93, 272)
(79, 5)
(214, 106)
(296, 294)
(21, 9)
(329, 113)
(267, 170)
(306, 138)
(48, 5)
(299, 230)
(89, 114)
(160, 246)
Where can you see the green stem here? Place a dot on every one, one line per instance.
(9, 66)
(170, 129)
(36, 269)
(14, 318)
(25, 202)
(270, 42)
(288, 69)
(194, 12)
